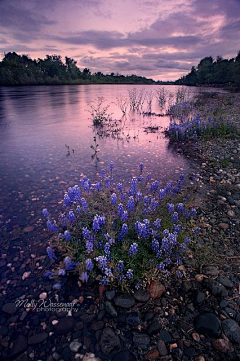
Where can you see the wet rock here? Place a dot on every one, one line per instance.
(211, 271)
(9, 308)
(125, 356)
(141, 340)
(38, 338)
(109, 341)
(151, 355)
(231, 330)
(141, 295)
(221, 345)
(65, 325)
(162, 348)
(225, 281)
(154, 327)
(75, 346)
(156, 289)
(124, 301)
(208, 324)
(216, 288)
(110, 309)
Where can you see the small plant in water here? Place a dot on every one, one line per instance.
(122, 102)
(99, 111)
(123, 234)
(94, 147)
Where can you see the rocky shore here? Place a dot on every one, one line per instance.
(196, 318)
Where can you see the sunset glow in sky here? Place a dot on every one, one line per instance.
(157, 39)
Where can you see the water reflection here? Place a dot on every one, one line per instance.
(36, 124)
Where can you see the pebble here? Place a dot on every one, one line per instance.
(75, 346)
(109, 341)
(141, 295)
(151, 355)
(111, 309)
(38, 338)
(208, 324)
(225, 281)
(211, 271)
(221, 345)
(154, 327)
(26, 275)
(231, 330)
(9, 308)
(162, 348)
(156, 289)
(141, 340)
(223, 226)
(124, 301)
(43, 295)
(216, 288)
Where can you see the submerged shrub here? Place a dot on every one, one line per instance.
(123, 234)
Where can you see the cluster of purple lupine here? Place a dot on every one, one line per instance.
(180, 110)
(199, 126)
(122, 233)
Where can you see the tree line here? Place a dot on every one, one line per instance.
(211, 71)
(18, 69)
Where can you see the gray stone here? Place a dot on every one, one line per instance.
(231, 330)
(216, 288)
(165, 336)
(110, 309)
(75, 346)
(109, 341)
(141, 295)
(133, 319)
(9, 308)
(19, 346)
(162, 348)
(198, 297)
(211, 271)
(207, 323)
(225, 281)
(154, 327)
(38, 338)
(124, 301)
(141, 340)
(110, 294)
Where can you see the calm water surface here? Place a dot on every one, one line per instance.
(35, 125)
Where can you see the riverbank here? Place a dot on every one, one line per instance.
(194, 318)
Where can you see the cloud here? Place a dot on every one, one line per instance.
(149, 37)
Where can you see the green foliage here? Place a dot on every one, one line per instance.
(21, 70)
(211, 72)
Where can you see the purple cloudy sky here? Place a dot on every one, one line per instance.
(161, 39)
